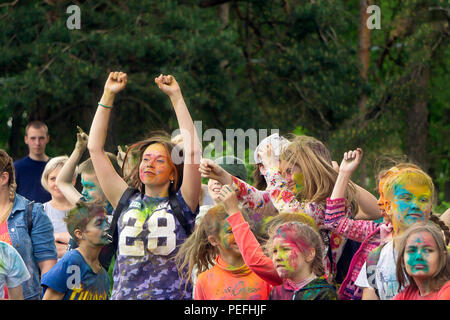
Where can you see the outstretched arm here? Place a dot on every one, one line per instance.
(249, 247)
(191, 186)
(112, 184)
(64, 180)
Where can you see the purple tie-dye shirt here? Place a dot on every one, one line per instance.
(149, 237)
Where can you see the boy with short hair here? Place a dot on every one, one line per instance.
(78, 275)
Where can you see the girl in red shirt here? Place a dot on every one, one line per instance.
(424, 262)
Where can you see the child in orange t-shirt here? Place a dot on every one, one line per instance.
(424, 262)
(212, 243)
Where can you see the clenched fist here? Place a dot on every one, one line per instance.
(116, 82)
(168, 85)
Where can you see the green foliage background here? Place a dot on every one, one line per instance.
(290, 65)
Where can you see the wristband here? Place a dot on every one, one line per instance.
(109, 107)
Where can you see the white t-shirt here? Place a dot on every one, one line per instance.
(385, 278)
(56, 217)
(13, 271)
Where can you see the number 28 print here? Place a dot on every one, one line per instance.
(158, 232)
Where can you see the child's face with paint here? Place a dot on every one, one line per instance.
(91, 188)
(96, 232)
(226, 239)
(155, 167)
(293, 176)
(410, 203)
(421, 255)
(287, 258)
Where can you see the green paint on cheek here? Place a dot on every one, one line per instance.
(417, 257)
(299, 184)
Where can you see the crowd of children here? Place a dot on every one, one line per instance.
(145, 227)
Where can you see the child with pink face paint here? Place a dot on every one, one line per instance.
(295, 270)
(424, 259)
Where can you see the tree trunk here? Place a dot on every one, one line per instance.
(16, 137)
(417, 120)
(364, 60)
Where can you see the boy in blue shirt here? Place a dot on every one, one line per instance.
(78, 275)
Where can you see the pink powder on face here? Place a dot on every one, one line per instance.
(289, 235)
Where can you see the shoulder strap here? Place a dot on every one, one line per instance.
(177, 212)
(30, 216)
(120, 206)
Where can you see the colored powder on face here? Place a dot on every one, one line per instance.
(418, 252)
(290, 236)
(226, 236)
(416, 257)
(411, 204)
(88, 188)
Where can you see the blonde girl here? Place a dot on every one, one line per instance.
(300, 180)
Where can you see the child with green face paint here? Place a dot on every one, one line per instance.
(78, 275)
(424, 259)
(92, 192)
(405, 198)
(212, 252)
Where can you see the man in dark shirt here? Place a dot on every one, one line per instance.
(29, 169)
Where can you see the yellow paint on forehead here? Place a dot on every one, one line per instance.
(156, 148)
(418, 189)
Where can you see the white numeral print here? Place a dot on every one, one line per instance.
(129, 245)
(161, 226)
(161, 237)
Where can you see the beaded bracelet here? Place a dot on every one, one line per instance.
(104, 105)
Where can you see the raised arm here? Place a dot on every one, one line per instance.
(191, 186)
(112, 184)
(249, 197)
(335, 212)
(64, 180)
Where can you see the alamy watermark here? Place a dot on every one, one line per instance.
(235, 142)
(74, 20)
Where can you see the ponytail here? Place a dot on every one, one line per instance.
(197, 251)
(443, 226)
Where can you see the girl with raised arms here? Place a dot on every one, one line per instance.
(149, 233)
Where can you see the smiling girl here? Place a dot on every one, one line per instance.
(425, 260)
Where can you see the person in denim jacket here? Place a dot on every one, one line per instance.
(37, 245)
